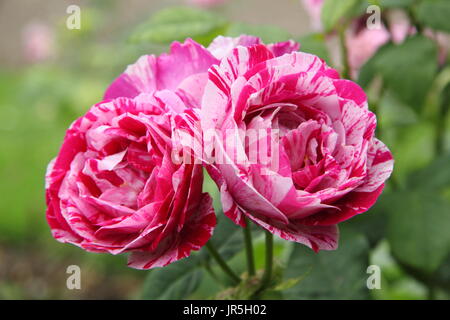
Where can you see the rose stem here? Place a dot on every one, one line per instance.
(344, 54)
(249, 248)
(213, 252)
(441, 121)
(431, 295)
(267, 276)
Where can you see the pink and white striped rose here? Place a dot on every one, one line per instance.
(114, 187)
(328, 166)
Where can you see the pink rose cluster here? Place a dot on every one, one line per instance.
(117, 184)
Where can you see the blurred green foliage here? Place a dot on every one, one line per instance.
(37, 104)
(179, 23)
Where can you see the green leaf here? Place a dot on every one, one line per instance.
(369, 70)
(289, 283)
(372, 223)
(396, 284)
(179, 23)
(267, 33)
(407, 69)
(173, 282)
(442, 276)
(433, 177)
(394, 113)
(435, 14)
(339, 274)
(334, 11)
(315, 44)
(408, 140)
(419, 221)
(394, 3)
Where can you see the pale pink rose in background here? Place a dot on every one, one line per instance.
(329, 166)
(314, 10)
(363, 43)
(183, 70)
(206, 3)
(38, 42)
(114, 188)
(399, 26)
(443, 42)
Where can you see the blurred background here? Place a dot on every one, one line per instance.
(50, 75)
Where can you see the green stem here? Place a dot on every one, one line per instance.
(267, 276)
(344, 54)
(215, 254)
(212, 274)
(440, 133)
(431, 292)
(442, 120)
(414, 21)
(249, 249)
(377, 109)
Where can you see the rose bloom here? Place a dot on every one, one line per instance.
(314, 10)
(362, 43)
(399, 25)
(183, 71)
(323, 164)
(114, 186)
(39, 42)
